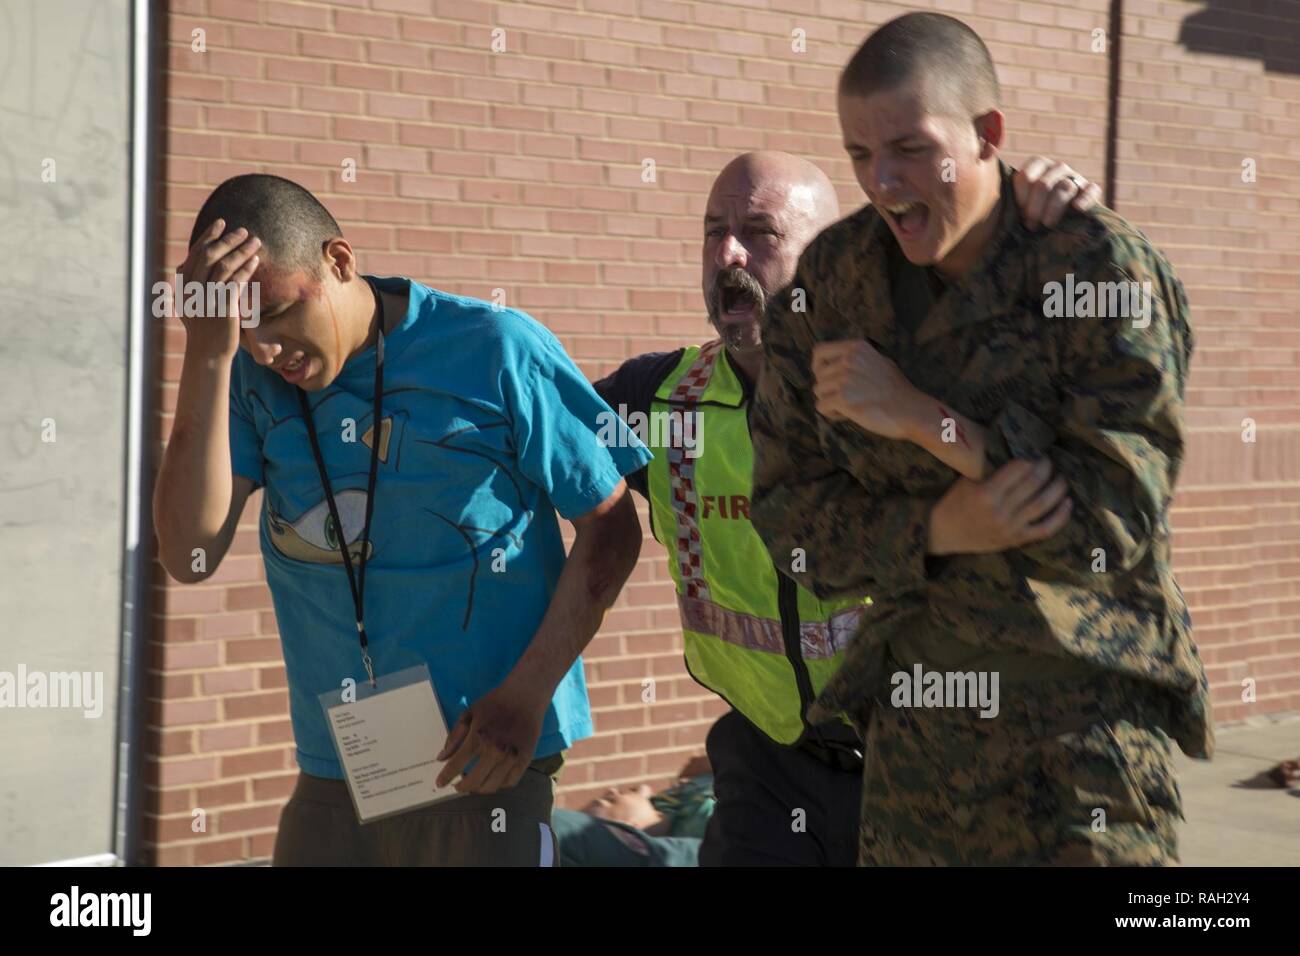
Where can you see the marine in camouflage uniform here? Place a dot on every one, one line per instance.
(1097, 667)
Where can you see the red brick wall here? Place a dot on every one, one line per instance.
(521, 170)
(1190, 114)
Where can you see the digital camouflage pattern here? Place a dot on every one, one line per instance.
(1049, 781)
(846, 511)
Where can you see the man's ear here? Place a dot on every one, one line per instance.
(339, 258)
(991, 130)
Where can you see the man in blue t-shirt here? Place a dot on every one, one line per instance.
(486, 430)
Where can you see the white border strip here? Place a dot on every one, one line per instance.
(125, 829)
(100, 859)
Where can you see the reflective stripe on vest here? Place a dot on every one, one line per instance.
(727, 585)
(818, 639)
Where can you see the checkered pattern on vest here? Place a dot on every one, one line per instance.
(681, 473)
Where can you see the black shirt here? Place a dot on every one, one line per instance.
(633, 385)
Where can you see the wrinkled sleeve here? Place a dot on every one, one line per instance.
(1119, 440)
(245, 443)
(835, 533)
(569, 442)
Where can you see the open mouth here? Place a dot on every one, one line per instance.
(909, 219)
(294, 370)
(737, 301)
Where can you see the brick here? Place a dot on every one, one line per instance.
(226, 682)
(396, 158)
(365, 24)
(363, 130)
(424, 240)
(259, 649)
(426, 84)
(274, 732)
(246, 706)
(646, 740)
(251, 818)
(471, 10)
(305, 72)
(228, 624)
(331, 101)
(260, 150)
(274, 788)
(619, 768)
(173, 773)
(329, 47)
(249, 10)
(248, 597)
(226, 738)
(364, 77)
(261, 94)
(431, 31)
(176, 686)
(172, 743)
(419, 7)
(398, 54)
(172, 856)
(171, 713)
(232, 118)
(261, 761)
(219, 851)
(174, 629)
(184, 656)
(301, 15)
(395, 107)
(170, 829)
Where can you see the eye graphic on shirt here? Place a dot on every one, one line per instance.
(314, 537)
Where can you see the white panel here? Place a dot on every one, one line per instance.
(64, 97)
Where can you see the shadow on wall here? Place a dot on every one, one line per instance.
(1264, 30)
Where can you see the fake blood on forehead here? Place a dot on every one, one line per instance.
(278, 287)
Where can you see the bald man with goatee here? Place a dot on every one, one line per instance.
(787, 790)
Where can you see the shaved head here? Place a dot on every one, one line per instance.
(763, 209)
(807, 192)
(918, 107)
(938, 56)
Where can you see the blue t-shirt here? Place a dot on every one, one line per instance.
(488, 430)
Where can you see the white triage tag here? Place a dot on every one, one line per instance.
(388, 740)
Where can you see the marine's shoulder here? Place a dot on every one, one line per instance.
(842, 239)
(1100, 240)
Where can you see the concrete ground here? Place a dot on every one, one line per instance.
(1235, 816)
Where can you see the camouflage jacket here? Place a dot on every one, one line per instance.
(1101, 396)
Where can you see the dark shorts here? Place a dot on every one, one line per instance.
(777, 805)
(319, 827)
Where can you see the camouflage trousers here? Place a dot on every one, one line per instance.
(1070, 773)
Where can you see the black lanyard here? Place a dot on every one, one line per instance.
(357, 580)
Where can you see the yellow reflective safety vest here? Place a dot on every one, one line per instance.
(752, 636)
